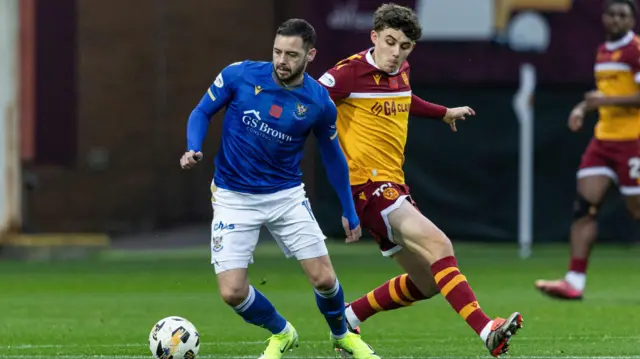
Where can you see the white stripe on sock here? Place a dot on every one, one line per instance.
(331, 292)
(246, 303)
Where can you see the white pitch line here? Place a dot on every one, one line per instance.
(297, 357)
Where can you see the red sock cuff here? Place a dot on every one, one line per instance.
(444, 263)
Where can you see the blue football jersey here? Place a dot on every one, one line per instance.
(265, 127)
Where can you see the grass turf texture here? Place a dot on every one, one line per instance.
(106, 307)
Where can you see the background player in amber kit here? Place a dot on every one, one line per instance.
(613, 155)
(373, 97)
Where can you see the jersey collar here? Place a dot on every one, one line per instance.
(372, 62)
(625, 40)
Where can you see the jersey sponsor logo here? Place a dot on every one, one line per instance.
(257, 89)
(390, 108)
(255, 125)
(328, 80)
(301, 111)
(219, 82)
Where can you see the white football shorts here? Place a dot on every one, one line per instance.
(238, 217)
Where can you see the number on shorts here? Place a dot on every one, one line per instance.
(634, 167)
(307, 205)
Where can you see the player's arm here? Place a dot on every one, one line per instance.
(337, 169)
(217, 96)
(422, 108)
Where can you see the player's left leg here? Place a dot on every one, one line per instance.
(296, 231)
(418, 234)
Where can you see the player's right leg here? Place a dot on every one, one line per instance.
(594, 179)
(297, 232)
(419, 235)
(235, 232)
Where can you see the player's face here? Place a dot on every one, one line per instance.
(391, 48)
(290, 58)
(618, 19)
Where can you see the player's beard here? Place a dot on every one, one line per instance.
(290, 74)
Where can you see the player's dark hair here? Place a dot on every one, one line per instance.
(631, 3)
(300, 28)
(399, 18)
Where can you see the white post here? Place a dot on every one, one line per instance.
(10, 167)
(524, 109)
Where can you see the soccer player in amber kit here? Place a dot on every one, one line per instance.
(613, 155)
(373, 96)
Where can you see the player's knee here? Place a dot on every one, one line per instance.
(584, 208)
(234, 294)
(324, 281)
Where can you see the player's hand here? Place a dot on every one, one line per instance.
(353, 235)
(593, 100)
(457, 113)
(576, 118)
(190, 159)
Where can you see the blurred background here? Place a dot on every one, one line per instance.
(96, 96)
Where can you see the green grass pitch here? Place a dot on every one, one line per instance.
(105, 307)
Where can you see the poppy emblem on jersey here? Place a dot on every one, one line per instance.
(393, 82)
(390, 194)
(405, 78)
(216, 244)
(275, 111)
(301, 111)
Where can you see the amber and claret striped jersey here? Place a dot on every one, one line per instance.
(617, 73)
(373, 116)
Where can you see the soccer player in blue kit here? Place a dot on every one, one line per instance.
(270, 110)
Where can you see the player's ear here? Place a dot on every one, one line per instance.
(374, 36)
(311, 54)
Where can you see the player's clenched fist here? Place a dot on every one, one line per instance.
(354, 234)
(190, 159)
(457, 113)
(576, 119)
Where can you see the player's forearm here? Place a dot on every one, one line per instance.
(422, 108)
(338, 172)
(622, 101)
(197, 129)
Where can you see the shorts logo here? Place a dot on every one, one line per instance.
(221, 226)
(390, 194)
(216, 244)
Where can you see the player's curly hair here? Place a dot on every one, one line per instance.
(631, 3)
(301, 28)
(399, 18)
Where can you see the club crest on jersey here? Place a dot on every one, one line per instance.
(300, 112)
